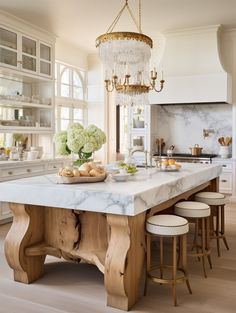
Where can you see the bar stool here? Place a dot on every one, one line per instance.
(199, 213)
(173, 227)
(217, 203)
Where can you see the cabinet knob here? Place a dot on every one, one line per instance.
(28, 170)
(224, 181)
(54, 166)
(224, 165)
(10, 173)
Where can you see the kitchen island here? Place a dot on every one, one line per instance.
(100, 223)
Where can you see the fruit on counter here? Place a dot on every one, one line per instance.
(130, 168)
(178, 166)
(171, 161)
(89, 169)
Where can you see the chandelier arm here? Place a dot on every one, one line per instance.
(152, 85)
(113, 24)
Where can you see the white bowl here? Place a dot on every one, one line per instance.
(120, 177)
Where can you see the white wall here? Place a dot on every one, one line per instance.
(96, 99)
(71, 54)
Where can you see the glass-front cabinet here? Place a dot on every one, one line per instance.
(25, 53)
(8, 48)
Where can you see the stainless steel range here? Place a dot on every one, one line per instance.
(189, 158)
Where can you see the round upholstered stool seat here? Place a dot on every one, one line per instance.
(217, 203)
(167, 225)
(192, 209)
(211, 198)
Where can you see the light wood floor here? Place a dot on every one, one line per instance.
(78, 288)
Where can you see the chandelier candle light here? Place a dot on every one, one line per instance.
(125, 57)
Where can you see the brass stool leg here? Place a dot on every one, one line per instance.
(148, 262)
(203, 247)
(222, 231)
(183, 251)
(174, 269)
(161, 257)
(208, 242)
(217, 230)
(196, 236)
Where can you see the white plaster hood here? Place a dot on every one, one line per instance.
(192, 68)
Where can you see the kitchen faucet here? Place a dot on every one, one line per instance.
(145, 153)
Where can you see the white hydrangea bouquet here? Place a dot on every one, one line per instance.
(79, 140)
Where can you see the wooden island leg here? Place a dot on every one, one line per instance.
(26, 229)
(124, 260)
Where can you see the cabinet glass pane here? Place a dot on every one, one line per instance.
(28, 63)
(8, 38)
(45, 52)
(8, 57)
(45, 68)
(138, 117)
(29, 46)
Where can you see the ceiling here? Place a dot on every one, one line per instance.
(81, 21)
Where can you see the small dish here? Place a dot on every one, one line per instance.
(120, 177)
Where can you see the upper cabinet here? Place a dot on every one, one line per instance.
(25, 53)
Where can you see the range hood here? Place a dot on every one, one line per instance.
(192, 68)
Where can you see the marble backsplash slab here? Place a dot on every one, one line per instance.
(182, 125)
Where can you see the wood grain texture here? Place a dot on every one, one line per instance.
(124, 260)
(26, 230)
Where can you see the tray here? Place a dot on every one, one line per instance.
(168, 169)
(79, 180)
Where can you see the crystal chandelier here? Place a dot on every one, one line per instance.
(125, 57)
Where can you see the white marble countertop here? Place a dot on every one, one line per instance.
(144, 190)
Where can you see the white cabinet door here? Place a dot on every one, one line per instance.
(45, 59)
(28, 54)
(9, 48)
(5, 211)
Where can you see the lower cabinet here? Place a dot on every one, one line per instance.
(17, 170)
(226, 178)
(5, 212)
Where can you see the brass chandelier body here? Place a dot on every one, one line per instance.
(126, 56)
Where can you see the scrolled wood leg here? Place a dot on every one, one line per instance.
(26, 229)
(124, 260)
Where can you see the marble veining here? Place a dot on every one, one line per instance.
(144, 190)
(182, 125)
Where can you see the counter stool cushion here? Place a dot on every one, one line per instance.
(167, 225)
(192, 209)
(211, 198)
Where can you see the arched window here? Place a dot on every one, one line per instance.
(71, 93)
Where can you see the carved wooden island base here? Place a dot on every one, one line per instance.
(63, 221)
(74, 235)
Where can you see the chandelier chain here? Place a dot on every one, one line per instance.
(139, 17)
(126, 5)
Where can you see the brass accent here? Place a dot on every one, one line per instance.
(124, 36)
(132, 88)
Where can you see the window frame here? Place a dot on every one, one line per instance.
(70, 102)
